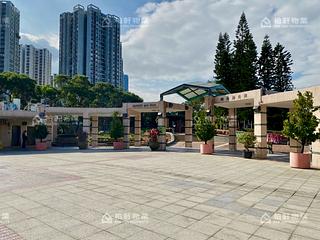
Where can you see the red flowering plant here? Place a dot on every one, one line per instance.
(154, 133)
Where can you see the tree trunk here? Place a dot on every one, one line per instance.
(302, 147)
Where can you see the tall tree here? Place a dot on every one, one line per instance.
(282, 69)
(77, 92)
(244, 58)
(266, 65)
(222, 62)
(15, 85)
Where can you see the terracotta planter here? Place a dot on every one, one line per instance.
(118, 145)
(300, 160)
(41, 146)
(206, 148)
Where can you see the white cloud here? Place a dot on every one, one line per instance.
(52, 39)
(178, 43)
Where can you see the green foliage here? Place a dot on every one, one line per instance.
(205, 130)
(282, 71)
(116, 131)
(49, 94)
(223, 61)
(69, 92)
(266, 65)
(41, 131)
(77, 92)
(244, 58)
(247, 139)
(15, 85)
(221, 115)
(301, 124)
(239, 69)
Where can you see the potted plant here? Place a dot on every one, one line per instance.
(205, 131)
(153, 140)
(248, 140)
(82, 140)
(116, 131)
(301, 126)
(41, 132)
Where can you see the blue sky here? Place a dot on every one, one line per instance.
(42, 16)
(177, 41)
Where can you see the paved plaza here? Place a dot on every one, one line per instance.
(143, 195)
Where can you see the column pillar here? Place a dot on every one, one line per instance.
(49, 123)
(54, 129)
(162, 126)
(260, 131)
(188, 127)
(137, 130)
(232, 129)
(316, 145)
(86, 123)
(94, 131)
(126, 130)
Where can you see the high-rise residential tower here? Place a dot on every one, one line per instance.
(126, 82)
(36, 63)
(9, 37)
(90, 45)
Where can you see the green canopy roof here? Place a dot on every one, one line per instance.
(191, 91)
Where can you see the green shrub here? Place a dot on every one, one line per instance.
(247, 139)
(41, 131)
(301, 124)
(205, 130)
(116, 131)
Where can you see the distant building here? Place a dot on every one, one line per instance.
(53, 77)
(36, 63)
(9, 37)
(90, 45)
(126, 82)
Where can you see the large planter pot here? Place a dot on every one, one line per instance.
(41, 146)
(247, 154)
(206, 148)
(154, 146)
(118, 145)
(300, 160)
(83, 145)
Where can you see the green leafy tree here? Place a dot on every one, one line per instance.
(282, 69)
(15, 85)
(49, 94)
(61, 80)
(244, 58)
(77, 92)
(302, 124)
(106, 95)
(266, 65)
(205, 130)
(223, 61)
(116, 131)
